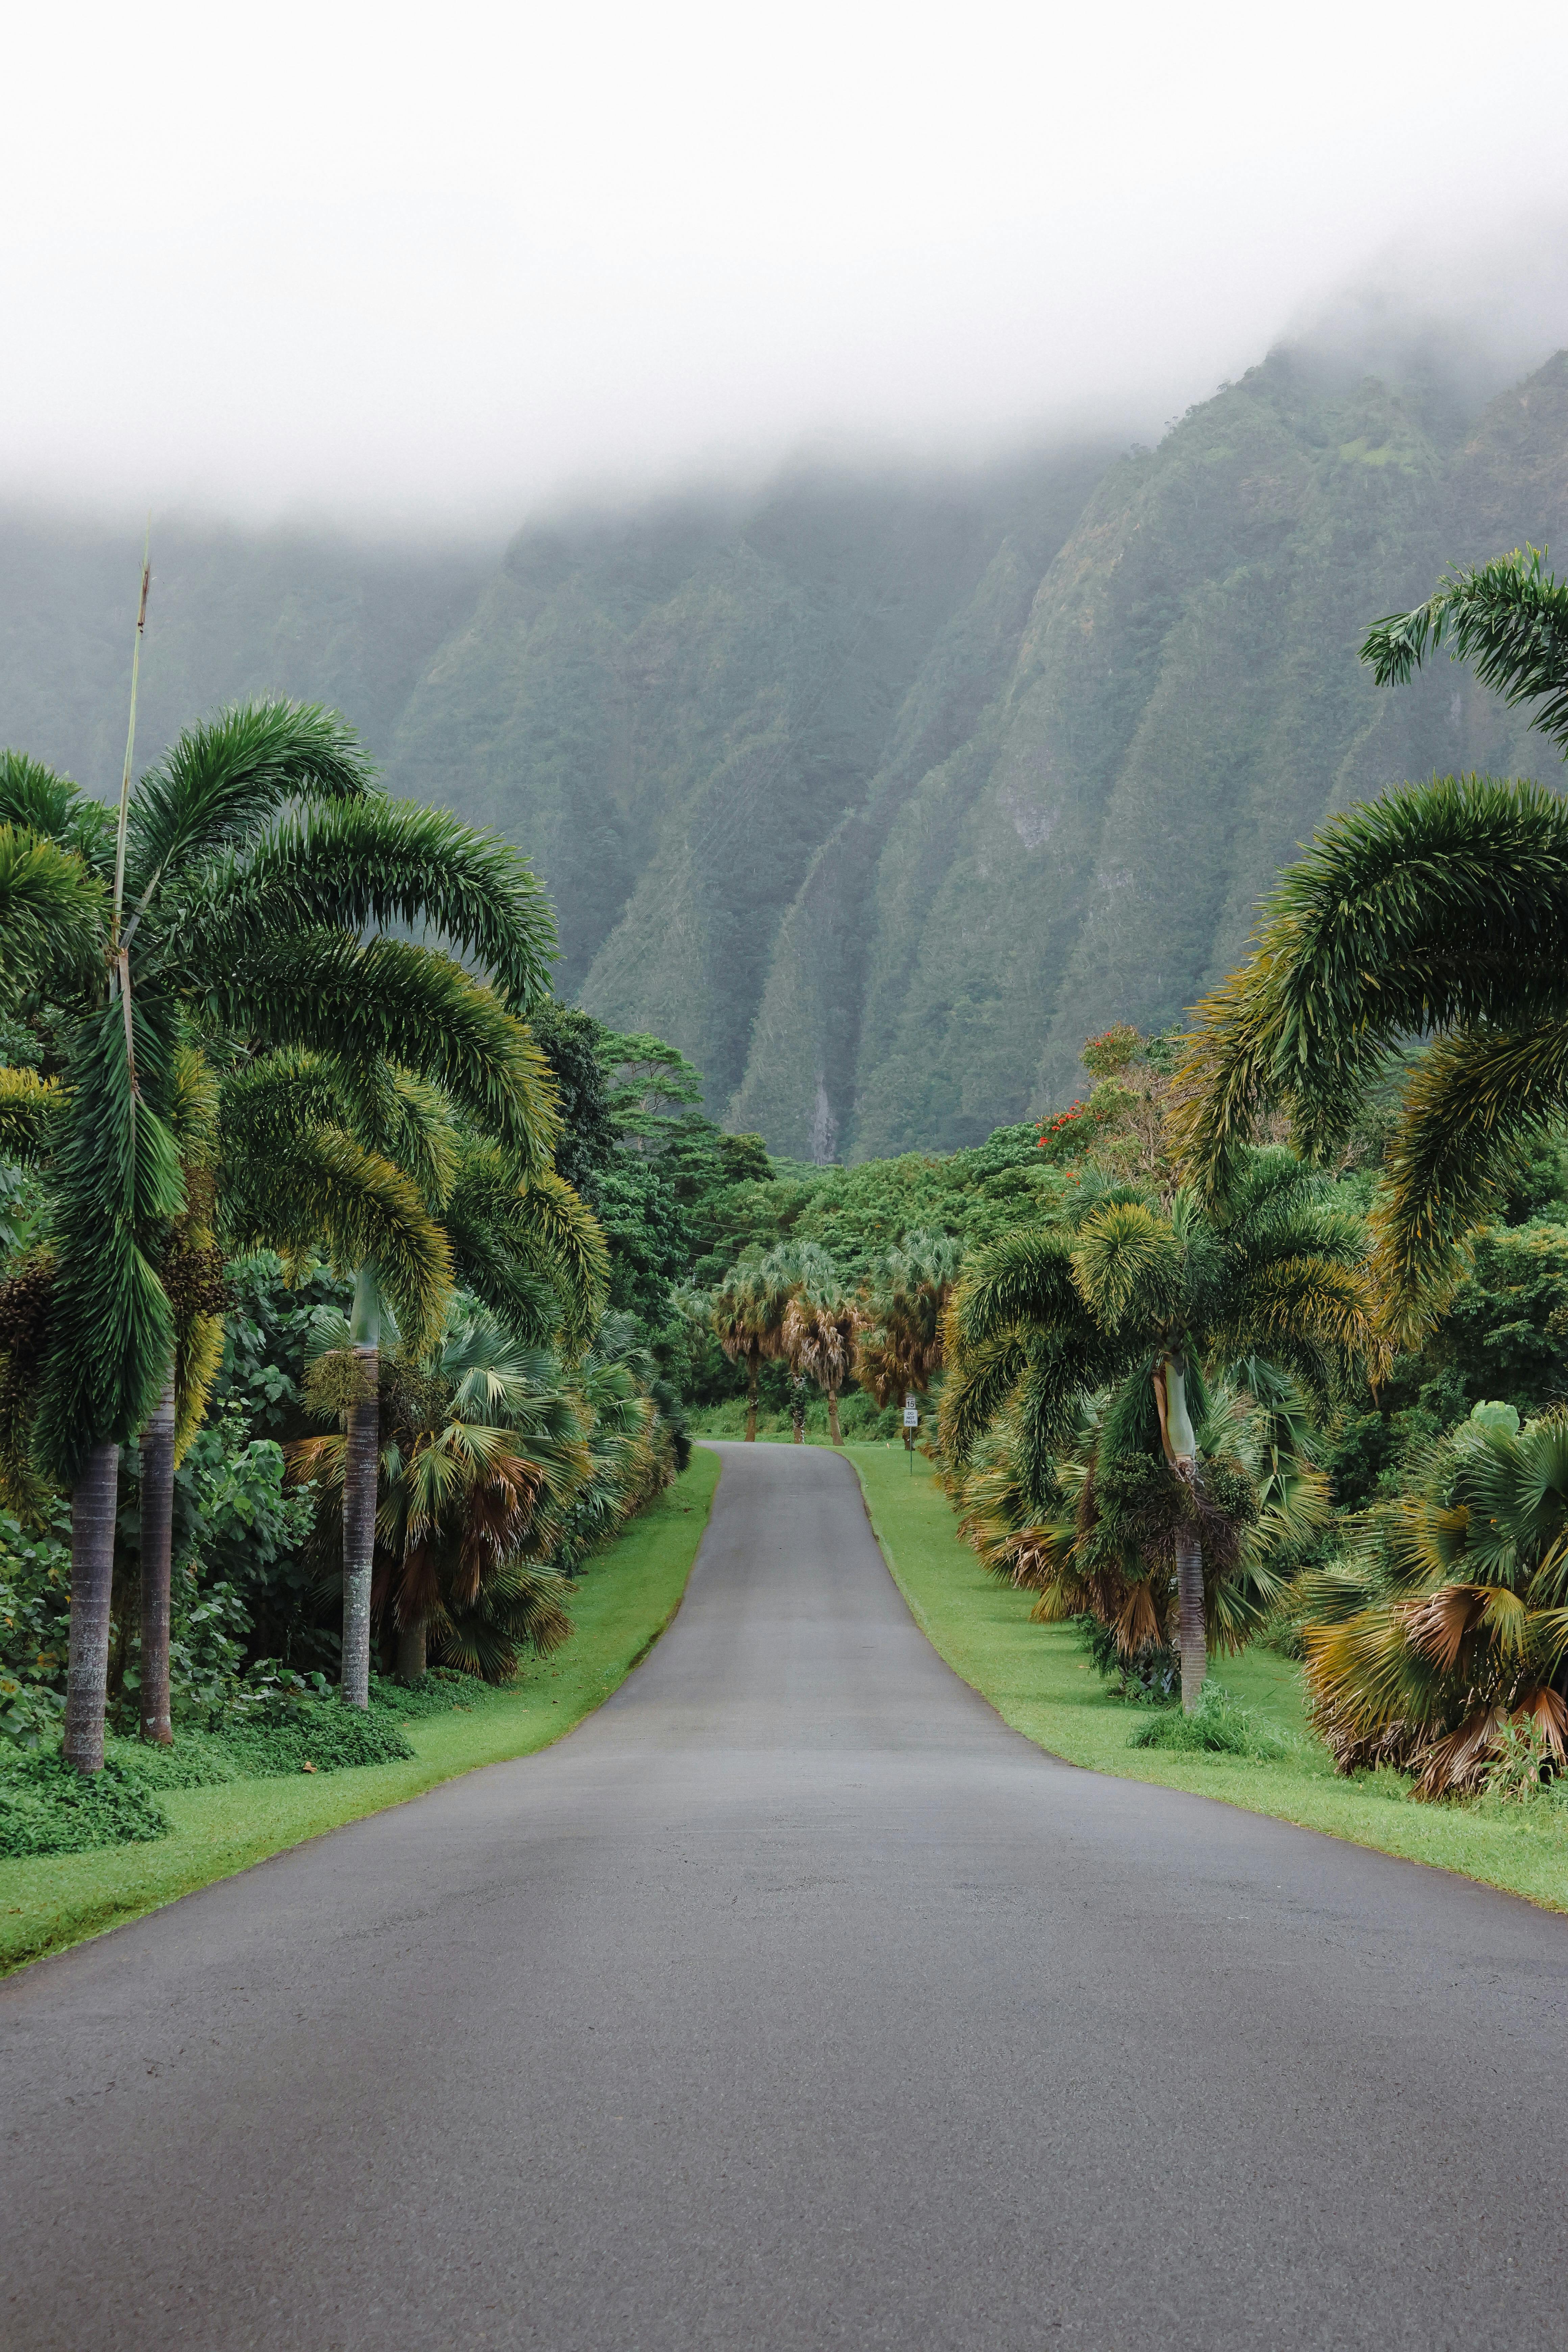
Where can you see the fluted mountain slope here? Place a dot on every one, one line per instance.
(878, 795)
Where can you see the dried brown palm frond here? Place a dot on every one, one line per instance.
(819, 1336)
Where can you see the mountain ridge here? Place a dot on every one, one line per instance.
(876, 793)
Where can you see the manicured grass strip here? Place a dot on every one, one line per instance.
(1038, 1680)
(626, 1598)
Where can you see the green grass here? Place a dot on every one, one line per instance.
(1040, 1681)
(626, 1598)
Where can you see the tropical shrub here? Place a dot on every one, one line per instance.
(1440, 1637)
(48, 1807)
(1132, 1301)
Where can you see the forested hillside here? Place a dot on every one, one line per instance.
(876, 796)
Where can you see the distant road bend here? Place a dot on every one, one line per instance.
(794, 2001)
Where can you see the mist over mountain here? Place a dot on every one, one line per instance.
(877, 792)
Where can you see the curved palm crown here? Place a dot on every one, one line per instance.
(1051, 1314)
(314, 1147)
(1106, 1543)
(257, 856)
(1127, 1296)
(1446, 1626)
(1440, 910)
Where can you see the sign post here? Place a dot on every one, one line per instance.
(911, 1422)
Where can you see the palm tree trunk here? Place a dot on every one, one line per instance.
(157, 1550)
(751, 1362)
(94, 1498)
(361, 1465)
(1190, 1619)
(1182, 1450)
(833, 1417)
(411, 1664)
(797, 1409)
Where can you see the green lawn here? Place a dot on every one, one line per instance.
(1038, 1680)
(626, 1598)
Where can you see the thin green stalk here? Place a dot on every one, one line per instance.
(130, 740)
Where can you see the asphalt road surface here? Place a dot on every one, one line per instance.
(794, 2002)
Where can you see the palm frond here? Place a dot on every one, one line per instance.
(217, 786)
(980, 1381)
(51, 917)
(1442, 905)
(1474, 1100)
(32, 1117)
(1129, 1263)
(120, 1185)
(34, 799)
(392, 1001)
(375, 864)
(1507, 617)
(1026, 1276)
(321, 1189)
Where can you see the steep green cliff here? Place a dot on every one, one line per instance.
(876, 795)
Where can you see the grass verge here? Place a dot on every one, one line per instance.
(1040, 1681)
(626, 1598)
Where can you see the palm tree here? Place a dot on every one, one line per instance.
(818, 1340)
(901, 1348)
(1439, 911)
(750, 1306)
(523, 1242)
(614, 1386)
(1445, 1630)
(229, 909)
(1106, 1546)
(482, 1454)
(1127, 1293)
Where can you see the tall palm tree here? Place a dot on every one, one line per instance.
(900, 1347)
(482, 1454)
(750, 1306)
(255, 859)
(1439, 911)
(1106, 1545)
(1445, 1628)
(521, 1241)
(1129, 1295)
(820, 1327)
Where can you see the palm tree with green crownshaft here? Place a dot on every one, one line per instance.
(1439, 911)
(521, 1241)
(256, 869)
(1130, 1292)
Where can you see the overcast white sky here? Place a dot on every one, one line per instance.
(436, 263)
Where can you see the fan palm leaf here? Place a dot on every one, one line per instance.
(1446, 1626)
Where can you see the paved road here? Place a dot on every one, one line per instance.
(794, 2001)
